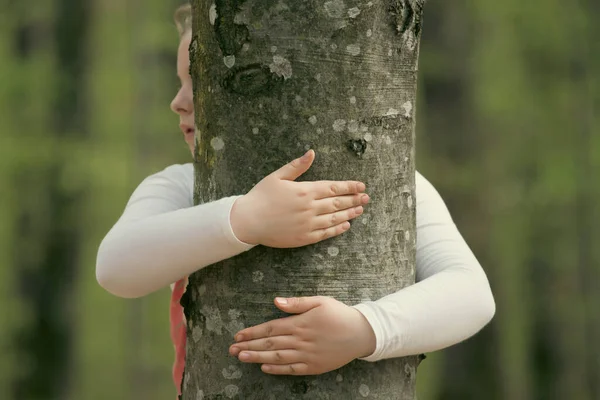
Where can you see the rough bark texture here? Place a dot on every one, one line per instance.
(272, 79)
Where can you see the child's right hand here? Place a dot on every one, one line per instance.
(279, 212)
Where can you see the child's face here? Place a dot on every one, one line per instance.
(183, 103)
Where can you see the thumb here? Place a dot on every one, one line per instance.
(293, 170)
(298, 305)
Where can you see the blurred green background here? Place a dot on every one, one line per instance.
(508, 132)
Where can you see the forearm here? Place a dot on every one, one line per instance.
(140, 256)
(433, 314)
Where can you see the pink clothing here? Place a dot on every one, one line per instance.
(178, 332)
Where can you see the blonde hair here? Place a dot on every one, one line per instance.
(183, 19)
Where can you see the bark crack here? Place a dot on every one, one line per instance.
(230, 35)
(407, 15)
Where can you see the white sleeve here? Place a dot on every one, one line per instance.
(161, 237)
(451, 300)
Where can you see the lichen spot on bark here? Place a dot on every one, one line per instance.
(281, 67)
(229, 61)
(231, 391)
(364, 390)
(196, 334)
(352, 126)
(353, 12)
(392, 111)
(333, 251)
(213, 319)
(353, 99)
(232, 372)
(255, 131)
(217, 143)
(312, 119)
(353, 49)
(410, 40)
(369, 33)
(339, 378)
(212, 13)
(368, 137)
(200, 395)
(257, 276)
(335, 8)
(339, 125)
(407, 109)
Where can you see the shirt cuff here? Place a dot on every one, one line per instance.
(367, 309)
(226, 228)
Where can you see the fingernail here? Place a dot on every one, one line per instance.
(361, 187)
(365, 198)
(266, 368)
(239, 338)
(235, 351)
(244, 356)
(359, 210)
(281, 300)
(306, 156)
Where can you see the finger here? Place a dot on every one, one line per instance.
(336, 218)
(272, 343)
(290, 369)
(338, 203)
(277, 357)
(294, 169)
(324, 189)
(276, 327)
(327, 233)
(298, 305)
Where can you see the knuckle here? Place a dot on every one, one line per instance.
(278, 356)
(291, 369)
(268, 329)
(333, 219)
(268, 344)
(334, 188)
(337, 203)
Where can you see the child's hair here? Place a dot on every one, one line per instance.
(183, 19)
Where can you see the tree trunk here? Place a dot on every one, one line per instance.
(272, 79)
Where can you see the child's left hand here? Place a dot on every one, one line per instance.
(325, 335)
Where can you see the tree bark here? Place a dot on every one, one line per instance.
(272, 79)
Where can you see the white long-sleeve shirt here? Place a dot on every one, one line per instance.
(162, 237)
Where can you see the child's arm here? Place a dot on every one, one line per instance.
(450, 302)
(161, 237)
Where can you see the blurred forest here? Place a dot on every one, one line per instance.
(507, 130)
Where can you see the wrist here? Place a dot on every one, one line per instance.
(367, 343)
(241, 225)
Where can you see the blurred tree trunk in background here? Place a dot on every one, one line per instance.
(510, 90)
(341, 80)
(47, 46)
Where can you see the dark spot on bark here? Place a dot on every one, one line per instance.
(299, 387)
(250, 79)
(407, 15)
(421, 358)
(230, 36)
(357, 146)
